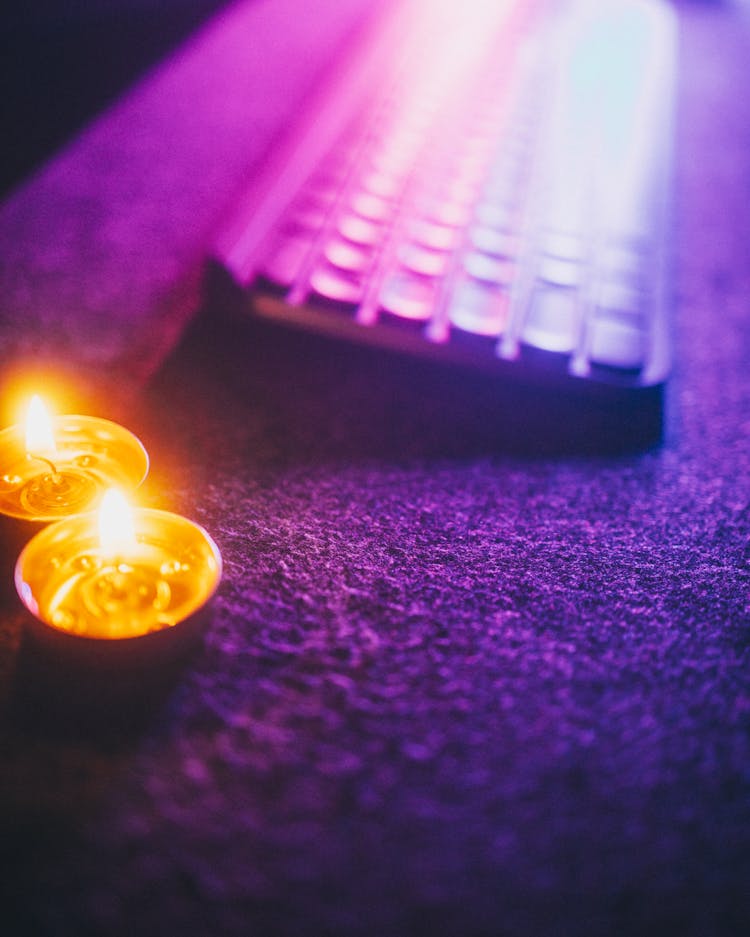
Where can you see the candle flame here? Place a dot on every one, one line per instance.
(116, 525)
(39, 435)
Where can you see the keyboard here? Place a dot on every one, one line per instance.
(484, 185)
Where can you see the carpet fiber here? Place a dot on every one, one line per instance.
(445, 689)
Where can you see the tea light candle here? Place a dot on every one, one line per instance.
(122, 573)
(56, 467)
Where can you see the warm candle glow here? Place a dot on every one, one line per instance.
(58, 466)
(116, 525)
(107, 583)
(39, 435)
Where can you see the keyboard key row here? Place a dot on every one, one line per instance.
(421, 222)
(479, 299)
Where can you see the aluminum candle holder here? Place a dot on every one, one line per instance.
(88, 586)
(63, 468)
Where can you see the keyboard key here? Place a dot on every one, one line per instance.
(493, 214)
(562, 244)
(408, 296)
(397, 154)
(381, 183)
(337, 285)
(348, 256)
(445, 212)
(493, 241)
(617, 344)
(423, 260)
(479, 308)
(623, 261)
(465, 172)
(436, 236)
(371, 207)
(360, 230)
(560, 272)
(285, 259)
(488, 268)
(553, 320)
(618, 300)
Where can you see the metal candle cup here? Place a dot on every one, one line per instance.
(91, 454)
(78, 590)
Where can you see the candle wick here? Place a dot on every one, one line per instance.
(41, 458)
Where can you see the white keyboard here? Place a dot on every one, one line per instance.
(483, 184)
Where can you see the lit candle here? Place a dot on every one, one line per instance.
(52, 468)
(122, 573)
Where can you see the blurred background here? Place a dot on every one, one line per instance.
(63, 62)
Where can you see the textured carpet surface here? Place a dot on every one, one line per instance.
(444, 690)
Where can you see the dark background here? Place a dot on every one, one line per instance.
(62, 62)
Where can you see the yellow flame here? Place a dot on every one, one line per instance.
(39, 436)
(116, 525)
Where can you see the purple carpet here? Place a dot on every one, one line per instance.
(446, 689)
